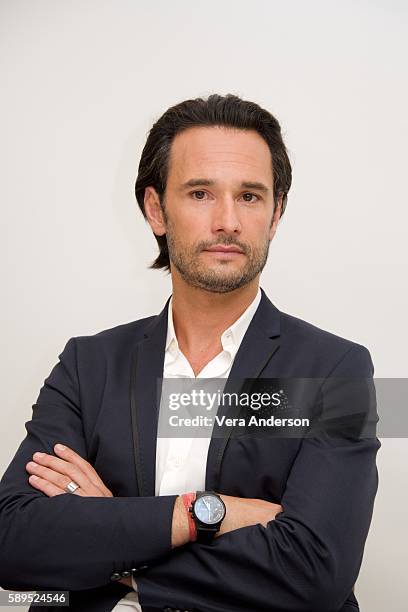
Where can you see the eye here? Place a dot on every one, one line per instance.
(200, 195)
(251, 195)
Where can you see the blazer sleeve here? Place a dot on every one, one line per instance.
(308, 558)
(67, 541)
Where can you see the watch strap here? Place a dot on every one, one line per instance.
(205, 535)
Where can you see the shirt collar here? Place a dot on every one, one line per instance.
(233, 335)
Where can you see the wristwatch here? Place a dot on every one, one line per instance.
(208, 511)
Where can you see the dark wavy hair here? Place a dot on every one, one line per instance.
(227, 111)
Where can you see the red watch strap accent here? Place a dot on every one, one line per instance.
(188, 499)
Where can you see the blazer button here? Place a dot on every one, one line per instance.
(126, 574)
(115, 576)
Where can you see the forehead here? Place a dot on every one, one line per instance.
(220, 153)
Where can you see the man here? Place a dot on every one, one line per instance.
(114, 517)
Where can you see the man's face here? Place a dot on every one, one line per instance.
(219, 193)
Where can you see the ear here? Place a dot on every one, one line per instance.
(153, 210)
(276, 217)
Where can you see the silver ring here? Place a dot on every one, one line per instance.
(71, 487)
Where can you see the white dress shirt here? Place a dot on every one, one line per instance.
(180, 464)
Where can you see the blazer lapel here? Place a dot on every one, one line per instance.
(147, 369)
(259, 344)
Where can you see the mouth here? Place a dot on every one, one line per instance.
(222, 250)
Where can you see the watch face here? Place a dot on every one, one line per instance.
(209, 509)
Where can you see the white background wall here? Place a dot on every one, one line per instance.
(82, 82)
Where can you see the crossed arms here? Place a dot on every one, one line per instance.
(308, 558)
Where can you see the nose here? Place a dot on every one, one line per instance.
(225, 216)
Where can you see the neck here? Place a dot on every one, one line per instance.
(200, 316)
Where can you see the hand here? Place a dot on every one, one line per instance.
(242, 512)
(51, 474)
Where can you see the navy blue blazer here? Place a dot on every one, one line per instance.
(100, 399)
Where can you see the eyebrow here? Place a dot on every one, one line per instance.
(198, 182)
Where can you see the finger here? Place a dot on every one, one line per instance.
(66, 469)
(70, 455)
(44, 486)
(53, 477)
